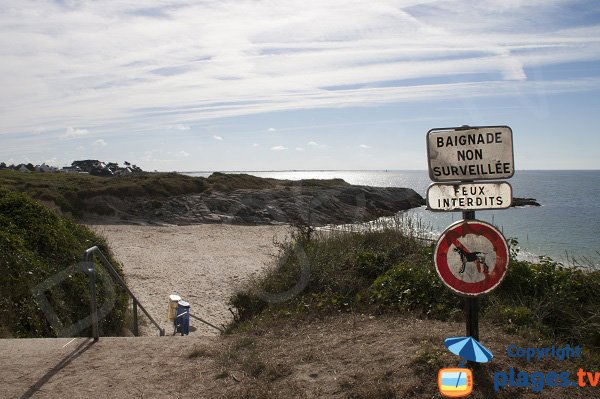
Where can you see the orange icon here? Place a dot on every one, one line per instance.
(455, 382)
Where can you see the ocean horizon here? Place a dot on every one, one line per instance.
(565, 227)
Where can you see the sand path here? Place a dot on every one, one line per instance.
(203, 264)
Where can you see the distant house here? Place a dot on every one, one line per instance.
(101, 170)
(71, 169)
(45, 168)
(22, 168)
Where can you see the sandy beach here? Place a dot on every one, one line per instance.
(204, 264)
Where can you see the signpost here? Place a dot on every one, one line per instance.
(471, 256)
(443, 197)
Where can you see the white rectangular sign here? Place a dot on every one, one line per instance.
(468, 196)
(470, 153)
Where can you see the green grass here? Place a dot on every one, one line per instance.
(231, 181)
(69, 191)
(559, 302)
(35, 244)
(73, 192)
(338, 268)
(386, 269)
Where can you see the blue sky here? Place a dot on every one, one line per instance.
(284, 84)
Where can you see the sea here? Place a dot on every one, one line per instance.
(565, 228)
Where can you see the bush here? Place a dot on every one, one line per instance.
(326, 270)
(559, 301)
(415, 288)
(35, 244)
(393, 271)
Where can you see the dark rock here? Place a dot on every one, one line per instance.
(524, 202)
(311, 204)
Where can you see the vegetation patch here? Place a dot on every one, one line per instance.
(36, 244)
(386, 268)
(71, 192)
(80, 193)
(326, 270)
(550, 298)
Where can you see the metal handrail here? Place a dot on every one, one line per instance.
(88, 259)
(207, 323)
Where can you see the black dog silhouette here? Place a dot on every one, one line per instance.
(477, 257)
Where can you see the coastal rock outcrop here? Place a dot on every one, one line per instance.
(298, 203)
(524, 202)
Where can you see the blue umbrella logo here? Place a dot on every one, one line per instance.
(469, 349)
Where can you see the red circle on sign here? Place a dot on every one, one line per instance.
(451, 237)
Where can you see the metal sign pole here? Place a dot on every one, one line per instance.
(471, 304)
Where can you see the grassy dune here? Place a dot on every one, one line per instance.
(71, 192)
(388, 270)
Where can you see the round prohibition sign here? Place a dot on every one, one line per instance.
(471, 257)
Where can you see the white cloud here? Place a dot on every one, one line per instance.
(72, 133)
(217, 137)
(299, 149)
(150, 155)
(271, 130)
(183, 153)
(255, 145)
(100, 143)
(313, 143)
(365, 146)
(120, 65)
(278, 148)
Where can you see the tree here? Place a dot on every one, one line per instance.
(86, 165)
(112, 166)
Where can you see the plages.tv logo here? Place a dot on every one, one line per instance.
(457, 382)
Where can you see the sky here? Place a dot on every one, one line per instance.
(193, 85)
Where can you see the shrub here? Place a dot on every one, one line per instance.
(415, 288)
(560, 301)
(35, 244)
(392, 270)
(326, 270)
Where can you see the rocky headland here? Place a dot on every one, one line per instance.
(524, 202)
(311, 202)
(172, 198)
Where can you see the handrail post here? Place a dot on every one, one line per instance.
(93, 307)
(88, 257)
(136, 331)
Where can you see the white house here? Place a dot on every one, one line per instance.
(46, 168)
(71, 169)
